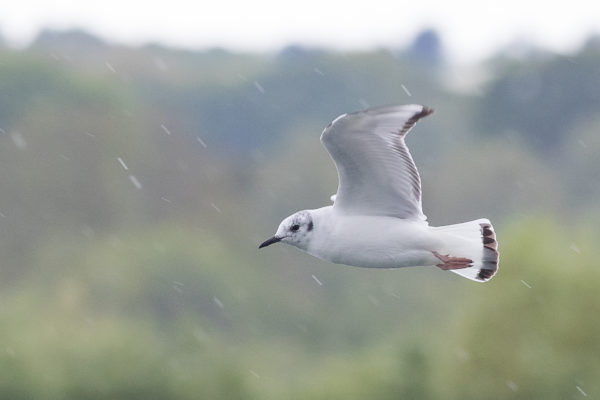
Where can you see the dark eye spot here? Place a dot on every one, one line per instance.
(294, 228)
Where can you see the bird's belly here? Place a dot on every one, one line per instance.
(381, 258)
(391, 246)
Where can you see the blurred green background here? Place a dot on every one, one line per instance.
(136, 184)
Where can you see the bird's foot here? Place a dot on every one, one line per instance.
(449, 262)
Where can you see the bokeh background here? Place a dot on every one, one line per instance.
(136, 181)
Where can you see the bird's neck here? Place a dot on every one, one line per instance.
(320, 225)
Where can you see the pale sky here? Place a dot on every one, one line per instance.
(470, 29)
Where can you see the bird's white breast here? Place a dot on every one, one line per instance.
(373, 242)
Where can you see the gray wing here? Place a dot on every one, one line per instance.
(377, 175)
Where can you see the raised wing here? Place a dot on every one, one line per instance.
(377, 175)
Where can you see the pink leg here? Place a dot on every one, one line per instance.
(452, 262)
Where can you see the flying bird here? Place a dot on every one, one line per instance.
(376, 220)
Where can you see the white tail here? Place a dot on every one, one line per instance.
(475, 240)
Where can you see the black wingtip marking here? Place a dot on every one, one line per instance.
(425, 111)
(490, 253)
(488, 240)
(485, 274)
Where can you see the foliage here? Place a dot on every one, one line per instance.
(156, 315)
(137, 182)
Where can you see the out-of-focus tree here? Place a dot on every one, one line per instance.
(426, 48)
(529, 334)
(542, 99)
(136, 184)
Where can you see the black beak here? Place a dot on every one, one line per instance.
(269, 242)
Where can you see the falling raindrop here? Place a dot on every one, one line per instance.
(405, 90)
(201, 141)
(135, 181)
(318, 71)
(18, 140)
(254, 373)
(581, 391)
(218, 302)
(122, 163)
(110, 67)
(164, 128)
(373, 300)
(317, 280)
(462, 354)
(526, 284)
(575, 248)
(178, 287)
(259, 87)
(213, 205)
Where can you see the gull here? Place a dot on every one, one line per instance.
(376, 220)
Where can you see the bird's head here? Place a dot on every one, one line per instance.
(295, 230)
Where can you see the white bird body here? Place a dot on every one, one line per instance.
(376, 220)
(371, 241)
